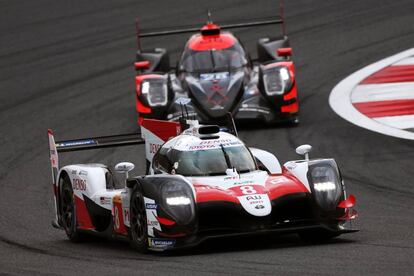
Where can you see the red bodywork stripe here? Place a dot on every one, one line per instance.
(386, 108)
(282, 185)
(397, 73)
(216, 42)
(162, 129)
(206, 193)
(347, 203)
(276, 186)
(142, 108)
(292, 108)
(292, 94)
(82, 215)
(165, 221)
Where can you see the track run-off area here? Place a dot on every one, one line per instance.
(68, 65)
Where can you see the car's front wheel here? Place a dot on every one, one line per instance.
(138, 221)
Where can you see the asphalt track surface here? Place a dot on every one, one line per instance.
(67, 65)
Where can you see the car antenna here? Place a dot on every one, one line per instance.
(209, 21)
(186, 111)
(231, 125)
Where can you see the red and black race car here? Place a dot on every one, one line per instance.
(217, 74)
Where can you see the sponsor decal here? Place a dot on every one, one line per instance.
(243, 182)
(254, 199)
(259, 207)
(73, 171)
(153, 223)
(126, 216)
(291, 166)
(81, 172)
(278, 180)
(77, 143)
(153, 148)
(151, 206)
(79, 184)
(161, 243)
(211, 144)
(105, 200)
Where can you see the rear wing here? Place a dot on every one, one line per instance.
(254, 22)
(153, 134)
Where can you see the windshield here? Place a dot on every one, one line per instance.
(213, 60)
(205, 162)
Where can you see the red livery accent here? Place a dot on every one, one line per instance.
(142, 65)
(282, 185)
(82, 215)
(142, 108)
(292, 108)
(165, 221)
(396, 73)
(162, 129)
(292, 94)
(119, 224)
(386, 108)
(207, 193)
(347, 203)
(284, 52)
(275, 187)
(216, 42)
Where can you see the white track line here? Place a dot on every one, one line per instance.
(340, 98)
(401, 122)
(406, 61)
(383, 92)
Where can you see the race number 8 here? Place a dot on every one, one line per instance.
(117, 224)
(248, 190)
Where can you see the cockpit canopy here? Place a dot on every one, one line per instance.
(203, 157)
(213, 54)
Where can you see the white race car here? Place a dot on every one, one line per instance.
(201, 183)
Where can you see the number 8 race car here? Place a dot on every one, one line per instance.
(218, 75)
(201, 183)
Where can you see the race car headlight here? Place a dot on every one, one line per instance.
(156, 91)
(276, 80)
(178, 201)
(327, 187)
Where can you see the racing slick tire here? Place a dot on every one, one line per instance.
(68, 211)
(138, 230)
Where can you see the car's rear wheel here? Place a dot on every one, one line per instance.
(68, 210)
(138, 221)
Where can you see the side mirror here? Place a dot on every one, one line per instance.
(284, 52)
(304, 150)
(142, 65)
(124, 167)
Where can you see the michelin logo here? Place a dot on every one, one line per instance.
(161, 243)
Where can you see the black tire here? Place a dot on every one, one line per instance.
(67, 210)
(138, 230)
(319, 235)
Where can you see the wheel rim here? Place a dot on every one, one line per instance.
(67, 208)
(138, 221)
